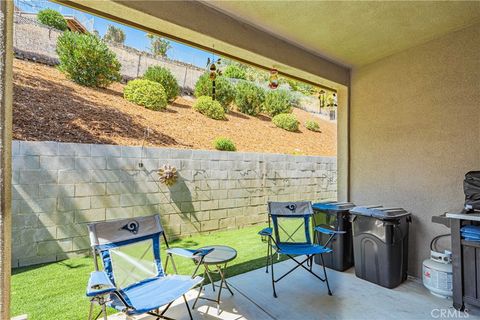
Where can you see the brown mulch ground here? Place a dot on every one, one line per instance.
(47, 106)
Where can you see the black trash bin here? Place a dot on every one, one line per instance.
(380, 244)
(335, 216)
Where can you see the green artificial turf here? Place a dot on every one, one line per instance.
(57, 290)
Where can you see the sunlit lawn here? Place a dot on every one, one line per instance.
(57, 290)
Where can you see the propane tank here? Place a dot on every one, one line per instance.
(437, 271)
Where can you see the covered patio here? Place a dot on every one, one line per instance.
(300, 296)
(407, 75)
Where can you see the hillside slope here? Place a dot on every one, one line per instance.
(47, 106)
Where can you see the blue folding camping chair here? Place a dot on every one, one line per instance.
(132, 280)
(290, 236)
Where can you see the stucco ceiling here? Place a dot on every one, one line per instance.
(354, 33)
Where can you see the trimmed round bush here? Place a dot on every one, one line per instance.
(52, 18)
(286, 121)
(234, 71)
(224, 90)
(165, 78)
(249, 98)
(149, 94)
(224, 144)
(86, 60)
(210, 108)
(276, 102)
(312, 125)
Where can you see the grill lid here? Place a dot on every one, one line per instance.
(380, 212)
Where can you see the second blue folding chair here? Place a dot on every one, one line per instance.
(289, 234)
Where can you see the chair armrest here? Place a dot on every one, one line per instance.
(189, 253)
(99, 284)
(327, 231)
(265, 232)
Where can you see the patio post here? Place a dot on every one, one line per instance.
(6, 96)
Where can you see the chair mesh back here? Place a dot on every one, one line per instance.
(291, 221)
(133, 263)
(129, 248)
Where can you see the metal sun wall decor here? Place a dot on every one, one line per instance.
(168, 174)
(214, 71)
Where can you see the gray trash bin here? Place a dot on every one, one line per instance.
(335, 216)
(380, 244)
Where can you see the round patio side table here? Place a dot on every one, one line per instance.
(216, 262)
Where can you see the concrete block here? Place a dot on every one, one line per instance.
(39, 148)
(109, 175)
(90, 163)
(119, 213)
(55, 219)
(132, 199)
(110, 201)
(132, 152)
(101, 150)
(43, 234)
(122, 163)
(24, 191)
(90, 189)
(227, 223)
(25, 162)
(37, 176)
(209, 205)
(56, 190)
(157, 153)
(180, 154)
(24, 237)
(120, 187)
(57, 163)
(15, 147)
(147, 187)
(218, 214)
(156, 198)
(89, 215)
(74, 149)
(80, 243)
(150, 165)
(48, 248)
(28, 205)
(69, 204)
(22, 221)
(147, 210)
(209, 225)
(73, 176)
(71, 230)
(234, 212)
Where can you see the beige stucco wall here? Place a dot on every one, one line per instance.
(415, 131)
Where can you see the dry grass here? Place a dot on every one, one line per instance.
(47, 106)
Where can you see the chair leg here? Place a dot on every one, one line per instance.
(273, 279)
(325, 273)
(188, 307)
(90, 311)
(104, 311)
(268, 258)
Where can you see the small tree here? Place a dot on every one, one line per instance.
(87, 60)
(52, 18)
(114, 34)
(158, 45)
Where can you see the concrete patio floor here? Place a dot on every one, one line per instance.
(301, 296)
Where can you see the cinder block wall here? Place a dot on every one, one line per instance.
(59, 187)
(37, 42)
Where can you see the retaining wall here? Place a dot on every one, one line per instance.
(59, 187)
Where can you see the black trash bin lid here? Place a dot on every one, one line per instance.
(333, 206)
(380, 212)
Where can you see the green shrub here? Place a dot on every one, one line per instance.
(87, 60)
(276, 102)
(165, 78)
(146, 93)
(210, 108)
(224, 90)
(249, 98)
(235, 71)
(224, 144)
(312, 125)
(286, 121)
(52, 18)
